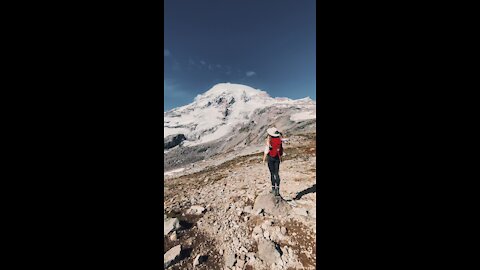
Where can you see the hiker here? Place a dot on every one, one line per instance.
(274, 150)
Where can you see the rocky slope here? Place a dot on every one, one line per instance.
(219, 213)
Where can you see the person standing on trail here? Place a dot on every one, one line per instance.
(274, 150)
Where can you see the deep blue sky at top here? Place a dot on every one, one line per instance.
(266, 44)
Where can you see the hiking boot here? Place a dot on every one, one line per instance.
(273, 190)
(277, 191)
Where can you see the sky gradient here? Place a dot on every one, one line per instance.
(268, 45)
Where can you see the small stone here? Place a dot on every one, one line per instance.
(301, 211)
(170, 225)
(197, 260)
(196, 210)
(229, 259)
(243, 249)
(266, 224)
(257, 230)
(266, 234)
(259, 211)
(235, 242)
(283, 230)
(240, 263)
(251, 255)
(173, 236)
(247, 209)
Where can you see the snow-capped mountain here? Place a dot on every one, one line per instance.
(229, 116)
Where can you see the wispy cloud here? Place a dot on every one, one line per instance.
(203, 62)
(250, 73)
(166, 53)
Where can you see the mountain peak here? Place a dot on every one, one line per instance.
(231, 89)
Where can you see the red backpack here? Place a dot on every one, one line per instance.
(276, 148)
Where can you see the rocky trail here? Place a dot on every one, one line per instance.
(223, 216)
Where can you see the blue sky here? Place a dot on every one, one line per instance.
(265, 44)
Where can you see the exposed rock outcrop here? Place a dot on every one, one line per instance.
(272, 205)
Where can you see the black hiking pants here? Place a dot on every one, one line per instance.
(274, 166)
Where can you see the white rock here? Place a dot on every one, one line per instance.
(196, 210)
(171, 255)
(173, 236)
(170, 225)
(197, 260)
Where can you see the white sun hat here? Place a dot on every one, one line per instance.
(273, 131)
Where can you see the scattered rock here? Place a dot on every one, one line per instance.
(171, 255)
(170, 225)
